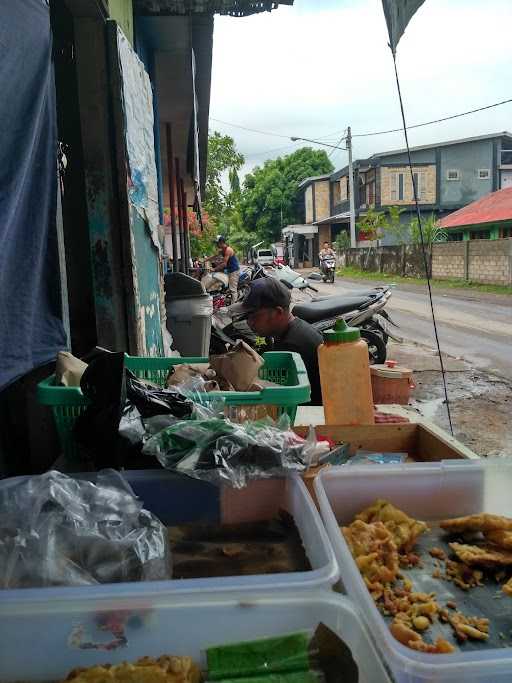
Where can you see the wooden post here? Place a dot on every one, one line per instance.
(186, 241)
(180, 215)
(172, 203)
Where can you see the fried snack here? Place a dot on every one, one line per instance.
(482, 522)
(146, 670)
(483, 556)
(472, 628)
(500, 537)
(462, 575)
(507, 587)
(405, 635)
(374, 551)
(405, 529)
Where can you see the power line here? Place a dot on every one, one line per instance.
(338, 143)
(251, 130)
(429, 123)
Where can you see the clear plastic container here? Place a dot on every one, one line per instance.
(430, 492)
(40, 643)
(180, 500)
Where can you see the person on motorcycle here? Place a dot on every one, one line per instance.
(267, 307)
(229, 265)
(327, 252)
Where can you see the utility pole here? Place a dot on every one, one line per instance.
(353, 241)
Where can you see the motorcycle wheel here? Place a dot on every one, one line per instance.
(375, 327)
(376, 347)
(331, 277)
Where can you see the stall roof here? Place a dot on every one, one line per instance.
(300, 229)
(235, 8)
(337, 218)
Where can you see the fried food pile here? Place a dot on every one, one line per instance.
(146, 670)
(382, 539)
(490, 547)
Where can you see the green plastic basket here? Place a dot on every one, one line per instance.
(282, 367)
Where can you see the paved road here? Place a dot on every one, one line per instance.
(475, 327)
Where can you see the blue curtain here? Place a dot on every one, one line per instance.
(31, 329)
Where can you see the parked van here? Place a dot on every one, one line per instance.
(265, 257)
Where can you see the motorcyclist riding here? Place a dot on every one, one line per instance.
(327, 257)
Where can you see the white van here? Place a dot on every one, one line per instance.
(265, 257)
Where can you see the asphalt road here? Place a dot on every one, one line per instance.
(472, 326)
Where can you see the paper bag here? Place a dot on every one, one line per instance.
(239, 366)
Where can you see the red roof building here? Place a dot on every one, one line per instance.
(487, 218)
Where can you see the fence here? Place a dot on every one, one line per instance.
(482, 261)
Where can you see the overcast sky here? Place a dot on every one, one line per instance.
(314, 68)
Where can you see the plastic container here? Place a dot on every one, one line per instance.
(179, 500)
(391, 383)
(345, 377)
(282, 367)
(430, 492)
(189, 314)
(36, 643)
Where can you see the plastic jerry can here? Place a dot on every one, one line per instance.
(345, 377)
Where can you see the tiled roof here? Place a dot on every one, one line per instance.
(492, 208)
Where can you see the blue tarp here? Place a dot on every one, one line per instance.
(31, 330)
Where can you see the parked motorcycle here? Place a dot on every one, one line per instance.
(328, 268)
(364, 310)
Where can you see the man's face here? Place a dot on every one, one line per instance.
(265, 321)
(326, 245)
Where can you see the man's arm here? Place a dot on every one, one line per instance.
(227, 254)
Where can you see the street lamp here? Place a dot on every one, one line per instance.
(348, 138)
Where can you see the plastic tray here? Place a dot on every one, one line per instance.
(430, 492)
(282, 367)
(35, 644)
(179, 500)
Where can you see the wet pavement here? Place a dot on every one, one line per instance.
(476, 339)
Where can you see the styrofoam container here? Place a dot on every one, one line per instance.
(179, 500)
(38, 644)
(432, 491)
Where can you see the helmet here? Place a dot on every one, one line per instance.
(220, 238)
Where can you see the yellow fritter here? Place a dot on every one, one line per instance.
(374, 550)
(146, 670)
(486, 557)
(500, 537)
(482, 522)
(405, 529)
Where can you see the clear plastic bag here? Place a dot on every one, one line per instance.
(56, 530)
(221, 451)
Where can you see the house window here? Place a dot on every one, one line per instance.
(453, 174)
(418, 182)
(484, 173)
(506, 232)
(397, 190)
(480, 234)
(455, 236)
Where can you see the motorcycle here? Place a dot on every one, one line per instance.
(364, 310)
(328, 268)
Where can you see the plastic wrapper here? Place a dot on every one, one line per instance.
(220, 451)
(369, 458)
(56, 530)
(112, 429)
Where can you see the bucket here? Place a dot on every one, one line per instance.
(391, 383)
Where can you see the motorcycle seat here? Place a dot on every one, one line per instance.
(323, 309)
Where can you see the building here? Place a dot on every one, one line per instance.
(448, 176)
(487, 218)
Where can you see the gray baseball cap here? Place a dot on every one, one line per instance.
(266, 292)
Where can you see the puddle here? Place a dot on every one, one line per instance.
(428, 409)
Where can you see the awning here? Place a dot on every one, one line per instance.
(337, 218)
(300, 230)
(235, 8)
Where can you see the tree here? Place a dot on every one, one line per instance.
(371, 225)
(342, 241)
(393, 226)
(223, 157)
(432, 232)
(271, 196)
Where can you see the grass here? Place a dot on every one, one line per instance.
(355, 273)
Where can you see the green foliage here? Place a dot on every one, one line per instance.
(202, 242)
(342, 241)
(400, 231)
(271, 197)
(371, 226)
(222, 157)
(432, 232)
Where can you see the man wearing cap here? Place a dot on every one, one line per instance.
(267, 307)
(229, 265)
